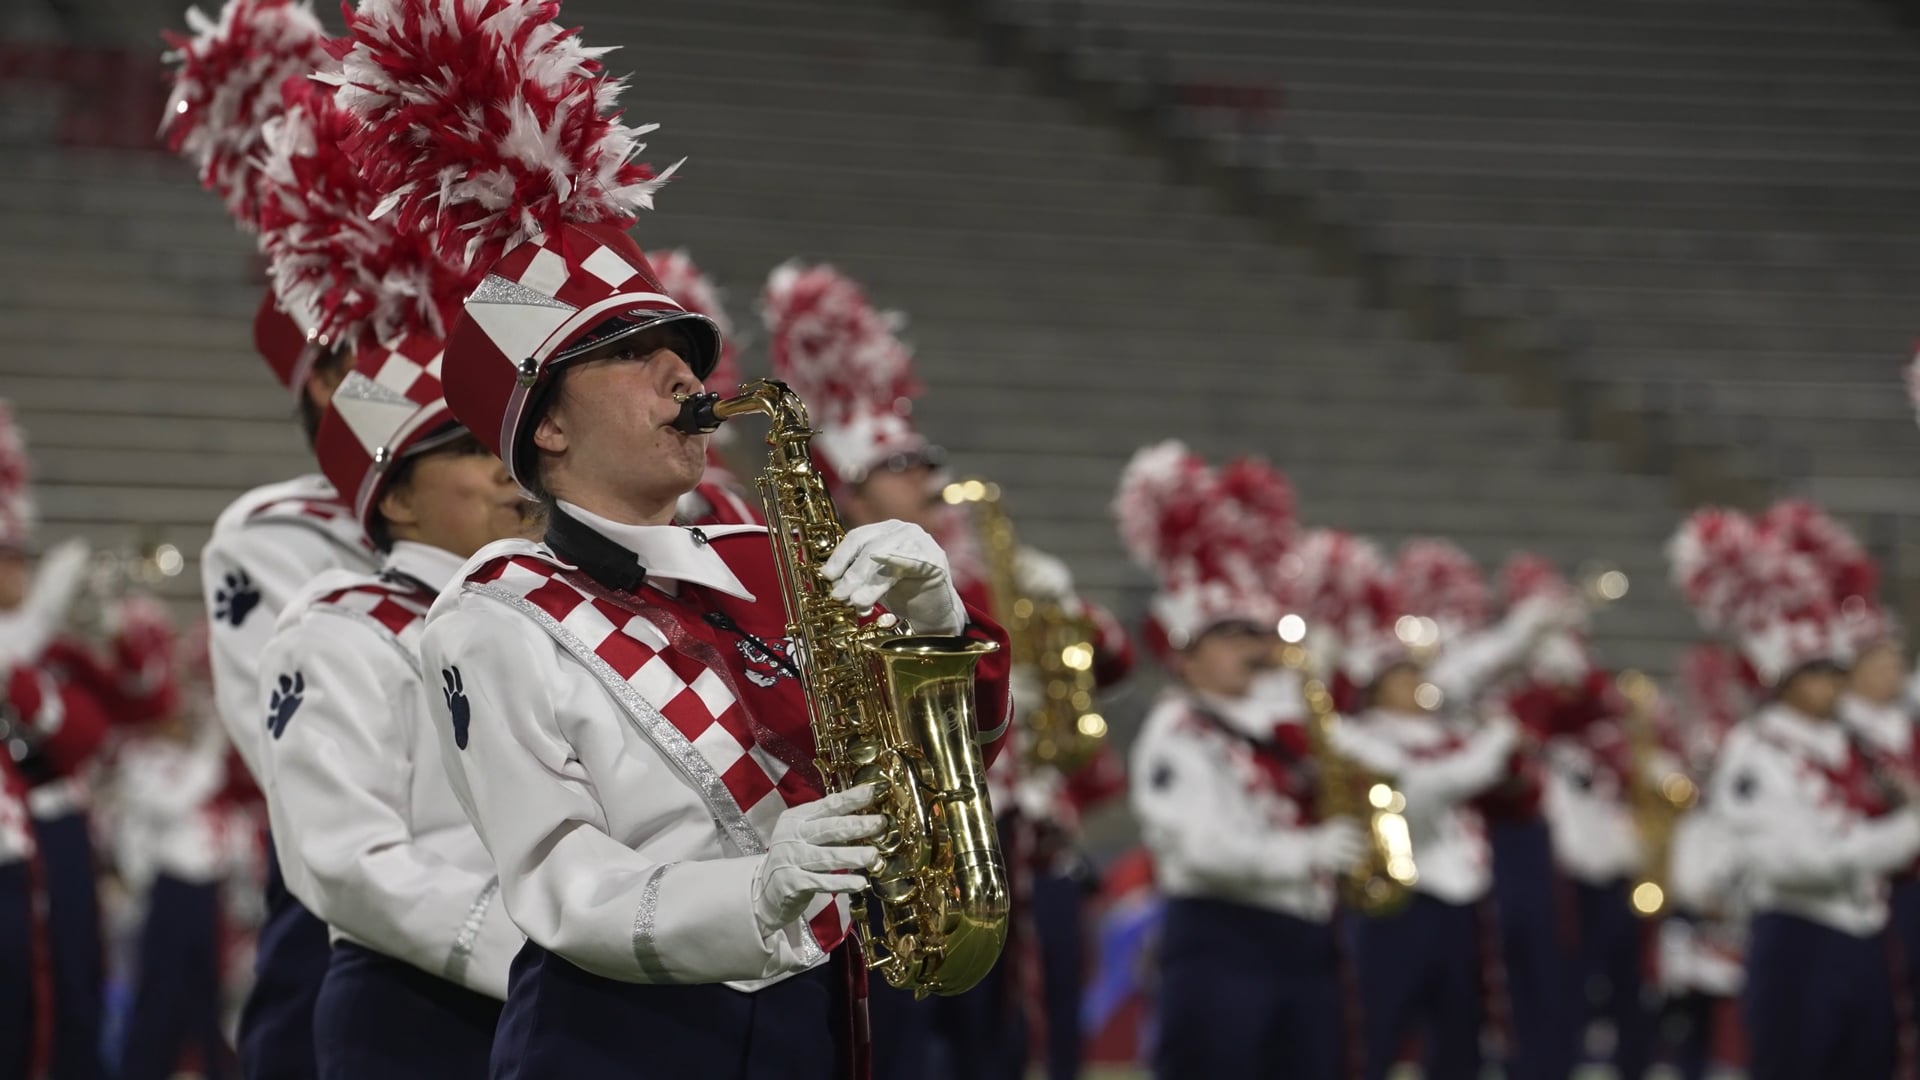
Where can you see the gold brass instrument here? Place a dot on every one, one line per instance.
(1064, 731)
(889, 706)
(1381, 883)
(1656, 802)
(112, 574)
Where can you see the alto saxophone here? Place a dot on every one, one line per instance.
(1382, 882)
(1064, 731)
(1657, 803)
(885, 705)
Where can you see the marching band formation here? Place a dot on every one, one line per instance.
(581, 757)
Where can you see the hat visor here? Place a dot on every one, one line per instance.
(702, 332)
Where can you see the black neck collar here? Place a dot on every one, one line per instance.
(601, 559)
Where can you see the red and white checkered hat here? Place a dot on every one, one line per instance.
(1436, 578)
(493, 132)
(1747, 584)
(1851, 573)
(846, 361)
(18, 516)
(390, 405)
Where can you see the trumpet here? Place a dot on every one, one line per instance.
(1656, 802)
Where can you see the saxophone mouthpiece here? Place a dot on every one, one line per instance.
(696, 413)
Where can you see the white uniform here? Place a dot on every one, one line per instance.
(164, 804)
(1438, 771)
(267, 546)
(1789, 792)
(1217, 824)
(1594, 837)
(369, 834)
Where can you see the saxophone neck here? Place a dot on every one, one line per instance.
(703, 413)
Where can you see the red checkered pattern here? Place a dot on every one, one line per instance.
(390, 400)
(540, 298)
(398, 608)
(695, 699)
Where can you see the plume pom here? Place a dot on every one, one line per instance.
(681, 279)
(226, 87)
(1439, 580)
(838, 353)
(1259, 502)
(1163, 503)
(1528, 574)
(486, 124)
(1809, 530)
(1706, 561)
(1342, 582)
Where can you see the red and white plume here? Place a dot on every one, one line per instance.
(1851, 573)
(1747, 584)
(227, 86)
(1439, 580)
(487, 124)
(684, 281)
(356, 279)
(1258, 499)
(1527, 574)
(1344, 588)
(17, 512)
(846, 361)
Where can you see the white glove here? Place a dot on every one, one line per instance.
(1041, 576)
(1336, 845)
(1882, 845)
(900, 564)
(1547, 612)
(811, 842)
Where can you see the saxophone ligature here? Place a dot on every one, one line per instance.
(1063, 730)
(1656, 799)
(885, 705)
(1382, 882)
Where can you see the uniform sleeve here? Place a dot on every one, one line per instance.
(1431, 785)
(574, 889)
(1189, 819)
(338, 781)
(1777, 831)
(1466, 667)
(247, 577)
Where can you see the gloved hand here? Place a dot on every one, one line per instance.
(811, 842)
(1041, 576)
(900, 564)
(1336, 845)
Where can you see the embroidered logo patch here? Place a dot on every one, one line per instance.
(286, 699)
(764, 668)
(236, 598)
(455, 692)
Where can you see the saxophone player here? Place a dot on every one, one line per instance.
(1250, 980)
(619, 707)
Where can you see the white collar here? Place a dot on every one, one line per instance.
(433, 567)
(1825, 740)
(670, 553)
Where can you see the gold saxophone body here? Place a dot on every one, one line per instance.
(1656, 802)
(1064, 731)
(890, 706)
(1382, 882)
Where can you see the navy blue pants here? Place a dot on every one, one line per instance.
(1420, 972)
(902, 1032)
(1058, 921)
(1247, 994)
(177, 1002)
(380, 1019)
(16, 969)
(1611, 975)
(73, 924)
(1525, 892)
(562, 1023)
(276, 1023)
(1695, 1017)
(1818, 1003)
(976, 1035)
(1906, 931)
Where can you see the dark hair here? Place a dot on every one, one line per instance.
(401, 476)
(310, 411)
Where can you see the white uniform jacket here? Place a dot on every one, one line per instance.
(625, 762)
(1594, 837)
(1219, 824)
(167, 819)
(1438, 770)
(266, 547)
(1814, 834)
(364, 819)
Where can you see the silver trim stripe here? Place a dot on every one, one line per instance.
(645, 952)
(462, 952)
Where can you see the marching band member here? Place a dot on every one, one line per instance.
(1420, 968)
(1249, 962)
(1817, 829)
(270, 542)
(618, 705)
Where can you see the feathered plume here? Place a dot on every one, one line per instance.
(1342, 582)
(351, 279)
(682, 280)
(505, 121)
(1162, 504)
(832, 346)
(1437, 579)
(1527, 574)
(18, 515)
(1258, 501)
(1707, 561)
(1839, 555)
(227, 87)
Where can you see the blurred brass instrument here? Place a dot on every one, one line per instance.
(114, 573)
(884, 706)
(1381, 883)
(1656, 802)
(1064, 731)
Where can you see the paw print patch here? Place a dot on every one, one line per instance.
(288, 693)
(235, 599)
(455, 692)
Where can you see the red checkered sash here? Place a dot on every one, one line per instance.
(678, 695)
